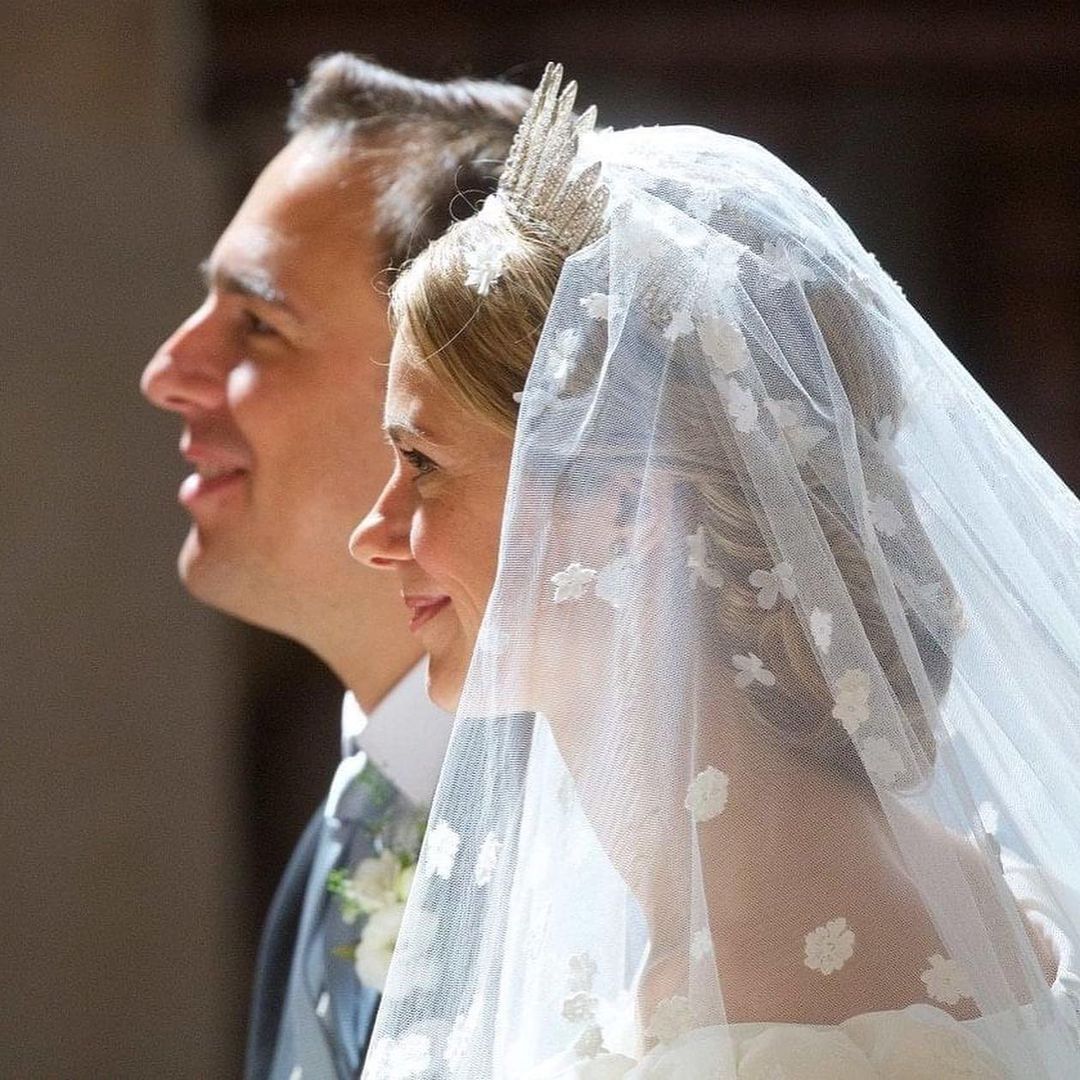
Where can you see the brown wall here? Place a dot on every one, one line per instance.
(121, 952)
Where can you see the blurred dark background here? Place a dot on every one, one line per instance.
(158, 762)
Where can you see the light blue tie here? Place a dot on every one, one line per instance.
(328, 1015)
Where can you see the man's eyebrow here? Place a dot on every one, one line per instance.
(257, 284)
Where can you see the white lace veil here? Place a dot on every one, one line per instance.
(768, 759)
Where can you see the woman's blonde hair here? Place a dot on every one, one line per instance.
(481, 347)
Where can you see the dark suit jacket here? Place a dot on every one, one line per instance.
(275, 954)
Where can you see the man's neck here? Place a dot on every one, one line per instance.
(365, 642)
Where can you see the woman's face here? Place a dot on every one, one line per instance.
(437, 522)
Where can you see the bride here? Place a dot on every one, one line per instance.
(760, 622)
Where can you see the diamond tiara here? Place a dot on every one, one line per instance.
(536, 188)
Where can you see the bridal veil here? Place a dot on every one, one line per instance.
(767, 765)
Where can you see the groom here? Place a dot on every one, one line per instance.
(278, 379)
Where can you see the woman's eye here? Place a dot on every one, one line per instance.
(420, 462)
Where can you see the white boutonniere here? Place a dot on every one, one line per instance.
(373, 893)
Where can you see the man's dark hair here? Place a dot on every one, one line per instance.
(445, 143)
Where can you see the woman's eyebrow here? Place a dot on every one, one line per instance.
(398, 430)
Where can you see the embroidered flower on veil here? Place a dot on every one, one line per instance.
(821, 628)
(400, 1059)
(681, 325)
(562, 352)
(697, 560)
(723, 344)
(615, 582)
(772, 584)
(882, 760)
(852, 696)
(441, 850)
(884, 515)
(487, 859)
(829, 947)
(707, 795)
(672, 1017)
(946, 981)
(597, 305)
(462, 1034)
(752, 669)
(570, 583)
(741, 404)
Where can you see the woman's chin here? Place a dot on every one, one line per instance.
(444, 686)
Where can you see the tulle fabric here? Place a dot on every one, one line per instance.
(767, 762)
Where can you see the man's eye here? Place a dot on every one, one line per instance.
(420, 462)
(255, 325)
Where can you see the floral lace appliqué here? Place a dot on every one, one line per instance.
(614, 582)
(672, 1018)
(570, 583)
(462, 1034)
(752, 669)
(579, 1007)
(946, 981)
(785, 265)
(582, 971)
(562, 354)
(701, 945)
(590, 1043)
(801, 438)
(697, 559)
(681, 325)
(772, 584)
(487, 859)
(882, 760)
(852, 706)
(821, 627)
(441, 850)
(707, 794)
(829, 947)
(597, 305)
(401, 1059)
(741, 406)
(723, 343)
(884, 516)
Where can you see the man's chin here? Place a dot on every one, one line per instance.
(209, 575)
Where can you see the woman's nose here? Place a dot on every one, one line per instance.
(381, 540)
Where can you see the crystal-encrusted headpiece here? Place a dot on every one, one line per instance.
(535, 188)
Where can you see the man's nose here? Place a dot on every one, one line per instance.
(188, 372)
(381, 540)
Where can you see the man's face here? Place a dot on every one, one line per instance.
(278, 378)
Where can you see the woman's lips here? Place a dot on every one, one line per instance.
(424, 608)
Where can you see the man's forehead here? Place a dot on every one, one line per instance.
(309, 195)
(312, 171)
(307, 214)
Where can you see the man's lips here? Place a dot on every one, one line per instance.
(424, 608)
(206, 483)
(216, 470)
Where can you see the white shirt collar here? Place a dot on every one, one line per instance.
(405, 736)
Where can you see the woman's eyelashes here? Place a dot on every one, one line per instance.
(417, 460)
